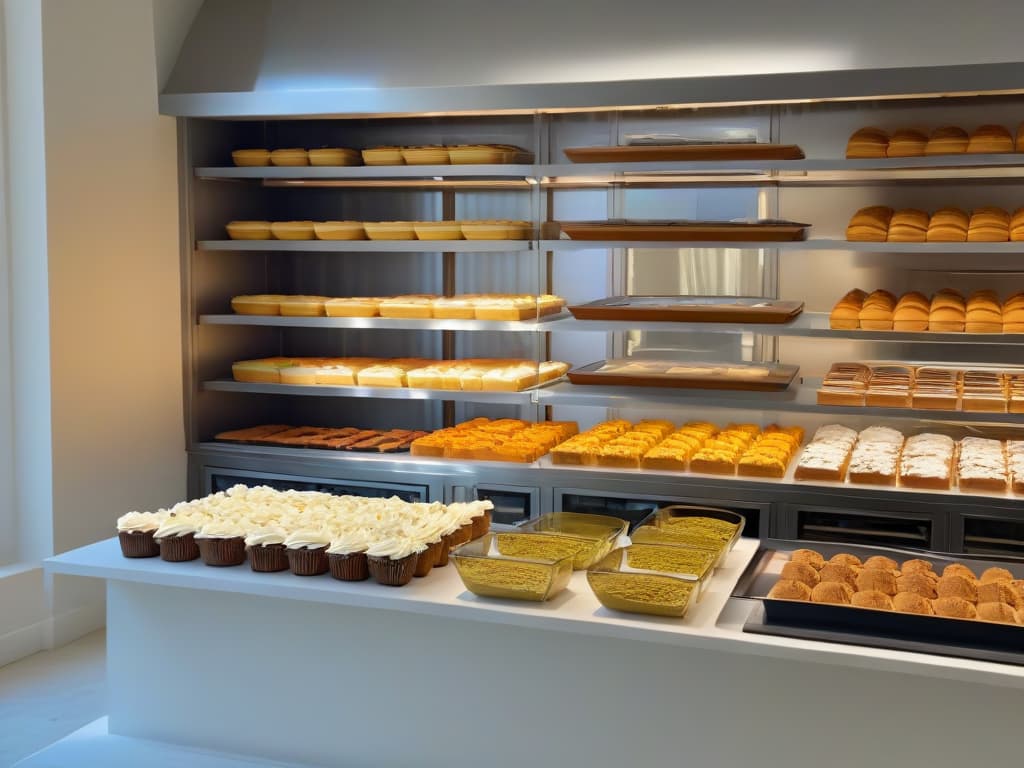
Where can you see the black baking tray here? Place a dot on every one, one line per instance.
(963, 638)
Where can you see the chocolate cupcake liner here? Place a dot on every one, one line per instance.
(425, 562)
(308, 562)
(268, 558)
(350, 567)
(222, 552)
(179, 549)
(481, 524)
(392, 573)
(138, 544)
(442, 553)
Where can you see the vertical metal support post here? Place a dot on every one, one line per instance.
(448, 267)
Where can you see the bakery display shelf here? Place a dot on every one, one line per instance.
(414, 174)
(523, 397)
(541, 325)
(799, 398)
(370, 246)
(1008, 248)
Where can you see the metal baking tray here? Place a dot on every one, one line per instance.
(710, 151)
(964, 638)
(759, 230)
(690, 309)
(692, 375)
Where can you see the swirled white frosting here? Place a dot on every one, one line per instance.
(223, 528)
(396, 548)
(178, 525)
(350, 542)
(270, 534)
(309, 538)
(140, 522)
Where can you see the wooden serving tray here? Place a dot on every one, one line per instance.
(653, 153)
(690, 309)
(768, 230)
(686, 375)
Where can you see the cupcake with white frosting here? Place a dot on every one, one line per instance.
(176, 537)
(222, 541)
(135, 532)
(307, 551)
(346, 556)
(392, 561)
(266, 549)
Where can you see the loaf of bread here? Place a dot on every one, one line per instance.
(990, 139)
(981, 465)
(948, 312)
(845, 314)
(827, 456)
(844, 384)
(948, 225)
(906, 143)
(870, 224)
(876, 313)
(908, 225)
(936, 389)
(984, 391)
(890, 386)
(867, 142)
(984, 313)
(1017, 225)
(876, 456)
(949, 140)
(303, 306)
(1013, 314)
(927, 462)
(911, 312)
(989, 225)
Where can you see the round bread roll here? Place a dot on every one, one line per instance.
(949, 140)
(998, 612)
(800, 572)
(881, 563)
(959, 569)
(906, 143)
(832, 592)
(915, 566)
(954, 607)
(957, 586)
(845, 315)
(989, 139)
(872, 599)
(786, 589)
(948, 225)
(996, 574)
(876, 581)
(910, 602)
(987, 225)
(867, 142)
(845, 559)
(999, 592)
(908, 226)
(838, 573)
(807, 557)
(916, 583)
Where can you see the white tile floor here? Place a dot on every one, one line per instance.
(47, 696)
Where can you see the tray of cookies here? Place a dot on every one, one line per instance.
(952, 605)
(689, 309)
(629, 372)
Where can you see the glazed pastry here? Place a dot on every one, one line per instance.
(839, 572)
(832, 592)
(908, 225)
(954, 607)
(808, 557)
(846, 313)
(909, 602)
(957, 586)
(911, 312)
(906, 143)
(949, 140)
(948, 225)
(998, 612)
(917, 583)
(876, 581)
(990, 139)
(948, 312)
(989, 225)
(867, 142)
(870, 224)
(959, 569)
(872, 599)
(785, 589)
(800, 572)
(881, 563)
(996, 574)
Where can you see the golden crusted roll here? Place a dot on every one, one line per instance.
(906, 143)
(917, 583)
(911, 313)
(881, 563)
(845, 314)
(870, 225)
(999, 592)
(989, 225)
(800, 572)
(785, 589)
(984, 314)
(1013, 314)
(949, 140)
(955, 608)
(995, 574)
(845, 558)
(908, 225)
(948, 312)
(835, 592)
(999, 612)
(870, 580)
(909, 602)
(872, 599)
(1019, 143)
(957, 586)
(838, 572)
(948, 225)
(876, 311)
(1017, 225)
(807, 557)
(990, 139)
(867, 142)
(959, 569)
(915, 566)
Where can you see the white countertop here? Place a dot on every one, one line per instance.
(714, 623)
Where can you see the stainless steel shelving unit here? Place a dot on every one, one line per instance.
(522, 398)
(543, 325)
(921, 249)
(370, 246)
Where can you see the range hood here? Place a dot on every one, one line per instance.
(306, 58)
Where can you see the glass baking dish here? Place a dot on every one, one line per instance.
(704, 527)
(487, 569)
(600, 532)
(668, 590)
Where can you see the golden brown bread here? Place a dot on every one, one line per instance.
(808, 557)
(916, 566)
(957, 586)
(999, 592)
(948, 312)
(872, 599)
(908, 225)
(1019, 143)
(839, 572)
(948, 225)
(906, 143)
(845, 559)
(784, 589)
(984, 313)
(999, 612)
(835, 592)
(949, 140)
(867, 142)
(870, 224)
(917, 583)
(876, 311)
(909, 602)
(911, 313)
(954, 607)
(845, 314)
(959, 569)
(989, 225)
(1017, 225)
(800, 572)
(881, 563)
(990, 139)
(995, 574)
(870, 580)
